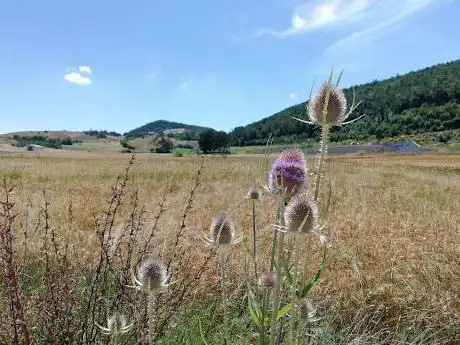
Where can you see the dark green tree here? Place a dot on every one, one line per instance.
(212, 141)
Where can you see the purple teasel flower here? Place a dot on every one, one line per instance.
(288, 172)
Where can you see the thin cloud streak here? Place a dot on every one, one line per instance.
(316, 15)
(391, 18)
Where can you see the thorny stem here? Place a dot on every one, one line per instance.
(11, 277)
(279, 214)
(104, 230)
(224, 297)
(276, 299)
(264, 312)
(150, 306)
(175, 250)
(319, 172)
(294, 306)
(254, 235)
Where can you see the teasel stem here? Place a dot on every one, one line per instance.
(294, 300)
(254, 236)
(263, 328)
(150, 306)
(320, 166)
(224, 297)
(276, 298)
(279, 215)
(324, 136)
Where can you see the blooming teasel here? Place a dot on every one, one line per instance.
(301, 215)
(152, 275)
(288, 173)
(116, 325)
(222, 232)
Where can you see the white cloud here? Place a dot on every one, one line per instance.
(77, 78)
(372, 15)
(292, 96)
(85, 69)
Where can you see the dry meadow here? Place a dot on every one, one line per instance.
(393, 227)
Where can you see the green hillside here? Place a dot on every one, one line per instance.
(416, 103)
(174, 129)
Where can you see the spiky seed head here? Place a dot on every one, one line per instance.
(222, 230)
(288, 172)
(301, 214)
(253, 193)
(116, 323)
(268, 280)
(293, 154)
(336, 108)
(153, 273)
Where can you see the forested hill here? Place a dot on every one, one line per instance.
(418, 102)
(161, 126)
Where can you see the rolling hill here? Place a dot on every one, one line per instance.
(423, 102)
(174, 129)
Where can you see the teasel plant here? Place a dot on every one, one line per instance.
(327, 108)
(222, 236)
(297, 217)
(287, 178)
(152, 276)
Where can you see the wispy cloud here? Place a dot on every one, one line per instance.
(85, 69)
(385, 15)
(369, 15)
(292, 96)
(82, 77)
(317, 14)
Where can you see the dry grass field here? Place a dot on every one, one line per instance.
(393, 226)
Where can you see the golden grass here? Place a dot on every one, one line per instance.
(394, 222)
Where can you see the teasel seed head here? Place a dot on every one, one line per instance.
(268, 280)
(336, 108)
(253, 193)
(222, 231)
(289, 171)
(152, 274)
(301, 214)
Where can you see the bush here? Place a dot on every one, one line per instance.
(124, 143)
(67, 141)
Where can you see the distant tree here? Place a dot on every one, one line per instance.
(67, 141)
(162, 144)
(212, 141)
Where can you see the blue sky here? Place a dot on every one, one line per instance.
(119, 64)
